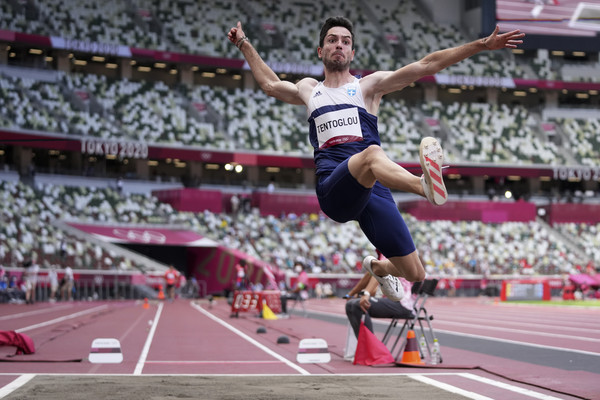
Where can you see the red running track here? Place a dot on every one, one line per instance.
(522, 352)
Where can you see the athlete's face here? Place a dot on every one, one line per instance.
(337, 52)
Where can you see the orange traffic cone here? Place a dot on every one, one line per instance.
(146, 305)
(161, 294)
(411, 351)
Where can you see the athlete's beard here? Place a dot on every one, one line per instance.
(335, 65)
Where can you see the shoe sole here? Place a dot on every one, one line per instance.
(432, 169)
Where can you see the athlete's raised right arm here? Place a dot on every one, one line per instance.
(267, 79)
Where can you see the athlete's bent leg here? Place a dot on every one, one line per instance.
(372, 164)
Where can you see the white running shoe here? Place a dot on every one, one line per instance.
(431, 157)
(390, 285)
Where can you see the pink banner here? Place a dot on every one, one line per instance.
(555, 85)
(146, 235)
(485, 211)
(571, 212)
(275, 204)
(28, 38)
(168, 56)
(584, 279)
(7, 36)
(41, 140)
(194, 200)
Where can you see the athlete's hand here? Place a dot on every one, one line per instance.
(236, 33)
(509, 39)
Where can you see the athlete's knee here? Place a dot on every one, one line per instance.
(415, 275)
(361, 165)
(373, 152)
(409, 267)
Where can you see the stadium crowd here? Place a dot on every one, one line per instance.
(447, 248)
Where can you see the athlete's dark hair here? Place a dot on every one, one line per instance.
(335, 21)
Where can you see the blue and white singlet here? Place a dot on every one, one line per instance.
(340, 125)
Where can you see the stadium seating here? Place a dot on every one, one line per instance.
(400, 136)
(542, 66)
(585, 235)
(447, 248)
(388, 33)
(501, 134)
(233, 119)
(582, 72)
(583, 140)
(15, 19)
(199, 28)
(479, 248)
(19, 110)
(421, 37)
(27, 223)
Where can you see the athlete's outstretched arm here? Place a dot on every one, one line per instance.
(267, 79)
(390, 81)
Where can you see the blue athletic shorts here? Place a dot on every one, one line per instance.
(343, 199)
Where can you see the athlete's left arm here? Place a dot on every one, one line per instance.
(384, 82)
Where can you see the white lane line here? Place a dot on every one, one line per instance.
(506, 386)
(35, 312)
(215, 362)
(14, 385)
(142, 360)
(249, 339)
(521, 331)
(530, 325)
(449, 388)
(495, 339)
(60, 319)
(482, 337)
